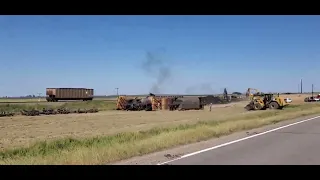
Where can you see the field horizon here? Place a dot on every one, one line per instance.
(143, 95)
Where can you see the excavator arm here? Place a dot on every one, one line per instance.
(251, 92)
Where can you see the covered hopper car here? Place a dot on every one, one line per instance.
(56, 94)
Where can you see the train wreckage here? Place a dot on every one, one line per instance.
(45, 111)
(58, 111)
(154, 102)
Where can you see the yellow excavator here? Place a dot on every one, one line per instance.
(262, 101)
(252, 93)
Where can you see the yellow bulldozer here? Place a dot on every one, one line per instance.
(262, 101)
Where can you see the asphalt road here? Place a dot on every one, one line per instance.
(295, 145)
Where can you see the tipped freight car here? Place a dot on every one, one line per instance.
(56, 94)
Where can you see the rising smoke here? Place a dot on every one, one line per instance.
(155, 67)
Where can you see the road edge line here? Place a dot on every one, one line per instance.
(238, 140)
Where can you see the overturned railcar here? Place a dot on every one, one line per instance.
(185, 103)
(57, 94)
(150, 103)
(206, 100)
(134, 104)
(138, 104)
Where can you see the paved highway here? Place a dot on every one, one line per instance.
(295, 144)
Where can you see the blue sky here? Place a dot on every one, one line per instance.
(196, 54)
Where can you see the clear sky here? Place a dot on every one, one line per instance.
(167, 54)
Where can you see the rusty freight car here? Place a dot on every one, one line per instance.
(56, 94)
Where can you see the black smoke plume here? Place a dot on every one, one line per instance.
(156, 68)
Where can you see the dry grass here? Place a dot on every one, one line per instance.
(23, 130)
(90, 139)
(297, 98)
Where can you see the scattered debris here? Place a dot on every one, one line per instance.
(49, 112)
(80, 111)
(169, 156)
(6, 114)
(252, 133)
(30, 113)
(94, 110)
(63, 111)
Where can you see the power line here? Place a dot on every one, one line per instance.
(117, 91)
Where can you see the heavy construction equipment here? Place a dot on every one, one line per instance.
(263, 101)
(252, 92)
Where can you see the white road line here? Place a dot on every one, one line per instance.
(238, 140)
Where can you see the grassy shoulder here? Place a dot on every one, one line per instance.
(108, 149)
(101, 105)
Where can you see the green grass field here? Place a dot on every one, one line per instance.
(36, 100)
(99, 104)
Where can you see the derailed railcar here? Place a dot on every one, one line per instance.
(56, 94)
(134, 104)
(206, 100)
(138, 105)
(186, 103)
(150, 103)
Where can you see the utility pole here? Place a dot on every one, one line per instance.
(312, 90)
(117, 91)
(39, 96)
(301, 86)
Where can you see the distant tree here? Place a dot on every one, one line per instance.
(237, 93)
